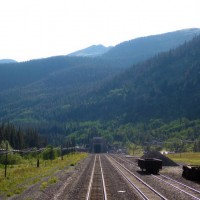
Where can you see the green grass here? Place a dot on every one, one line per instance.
(51, 181)
(19, 177)
(187, 158)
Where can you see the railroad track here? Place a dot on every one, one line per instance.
(189, 191)
(144, 190)
(183, 188)
(96, 188)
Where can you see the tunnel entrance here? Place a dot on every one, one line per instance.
(98, 145)
(97, 148)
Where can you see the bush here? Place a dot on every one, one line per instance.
(50, 153)
(12, 159)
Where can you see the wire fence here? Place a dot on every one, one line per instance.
(37, 151)
(31, 150)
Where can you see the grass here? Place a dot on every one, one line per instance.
(19, 177)
(51, 181)
(187, 158)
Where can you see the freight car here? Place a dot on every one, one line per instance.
(151, 165)
(191, 172)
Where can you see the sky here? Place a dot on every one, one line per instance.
(31, 29)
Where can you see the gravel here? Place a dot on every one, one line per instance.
(175, 172)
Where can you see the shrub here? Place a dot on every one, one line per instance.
(50, 153)
(12, 159)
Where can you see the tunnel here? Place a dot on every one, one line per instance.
(98, 145)
(97, 148)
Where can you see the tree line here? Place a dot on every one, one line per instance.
(19, 138)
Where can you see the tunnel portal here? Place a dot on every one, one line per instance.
(98, 145)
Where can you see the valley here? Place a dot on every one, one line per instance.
(122, 179)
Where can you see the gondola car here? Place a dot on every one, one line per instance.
(151, 165)
(191, 172)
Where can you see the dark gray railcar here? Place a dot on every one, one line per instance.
(151, 165)
(191, 172)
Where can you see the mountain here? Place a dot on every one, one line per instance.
(164, 87)
(13, 75)
(38, 91)
(134, 51)
(3, 61)
(92, 51)
(62, 89)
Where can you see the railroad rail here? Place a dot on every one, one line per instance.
(179, 186)
(144, 190)
(183, 188)
(96, 188)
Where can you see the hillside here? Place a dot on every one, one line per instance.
(3, 61)
(166, 86)
(41, 90)
(139, 49)
(48, 93)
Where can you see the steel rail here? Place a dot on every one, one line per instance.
(91, 181)
(89, 191)
(103, 181)
(128, 161)
(143, 196)
(139, 179)
(177, 188)
(189, 194)
(197, 191)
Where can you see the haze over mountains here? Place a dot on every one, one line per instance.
(131, 82)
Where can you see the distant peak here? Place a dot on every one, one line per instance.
(91, 51)
(4, 61)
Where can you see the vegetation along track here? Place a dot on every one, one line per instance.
(143, 189)
(189, 191)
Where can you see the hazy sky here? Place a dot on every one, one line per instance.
(41, 28)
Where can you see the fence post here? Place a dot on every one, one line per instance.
(6, 159)
(38, 160)
(61, 152)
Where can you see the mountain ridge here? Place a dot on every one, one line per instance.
(4, 61)
(91, 51)
(165, 86)
(136, 50)
(64, 87)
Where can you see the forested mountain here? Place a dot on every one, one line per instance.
(166, 86)
(39, 91)
(92, 51)
(52, 93)
(118, 57)
(26, 73)
(139, 49)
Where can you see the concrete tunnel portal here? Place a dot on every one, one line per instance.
(98, 145)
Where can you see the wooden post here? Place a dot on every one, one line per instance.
(38, 160)
(6, 160)
(61, 152)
